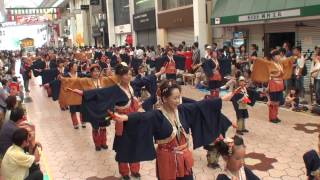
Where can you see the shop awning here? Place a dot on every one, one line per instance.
(238, 11)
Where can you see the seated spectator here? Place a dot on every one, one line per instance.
(5, 86)
(17, 120)
(3, 105)
(312, 162)
(14, 87)
(292, 100)
(11, 102)
(19, 165)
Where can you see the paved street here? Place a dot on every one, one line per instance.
(269, 44)
(274, 151)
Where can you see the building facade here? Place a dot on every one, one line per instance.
(268, 24)
(144, 23)
(183, 20)
(175, 21)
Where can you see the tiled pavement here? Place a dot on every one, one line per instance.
(274, 151)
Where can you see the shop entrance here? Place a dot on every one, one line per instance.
(273, 40)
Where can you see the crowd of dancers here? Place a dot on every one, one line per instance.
(140, 90)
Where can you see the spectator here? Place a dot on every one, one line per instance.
(292, 101)
(242, 59)
(232, 54)
(17, 164)
(139, 53)
(151, 53)
(208, 52)
(214, 46)
(254, 54)
(12, 103)
(158, 51)
(14, 87)
(254, 49)
(289, 82)
(287, 47)
(225, 62)
(315, 73)
(299, 71)
(283, 54)
(17, 119)
(312, 162)
(9, 74)
(3, 105)
(195, 53)
(1, 62)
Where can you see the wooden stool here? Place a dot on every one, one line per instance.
(190, 77)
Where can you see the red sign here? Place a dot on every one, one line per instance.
(129, 39)
(30, 19)
(14, 14)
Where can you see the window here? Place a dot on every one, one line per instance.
(170, 4)
(121, 12)
(143, 5)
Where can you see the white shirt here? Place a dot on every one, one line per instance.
(139, 53)
(317, 67)
(300, 65)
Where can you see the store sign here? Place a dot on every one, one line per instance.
(126, 28)
(28, 42)
(144, 21)
(32, 11)
(270, 15)
(31, 19)
(84, 7)
(14, 14)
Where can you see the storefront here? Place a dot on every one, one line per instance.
(122, 25)
(268, 25)
(178, 25)
(145, 26)
(123, 33)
